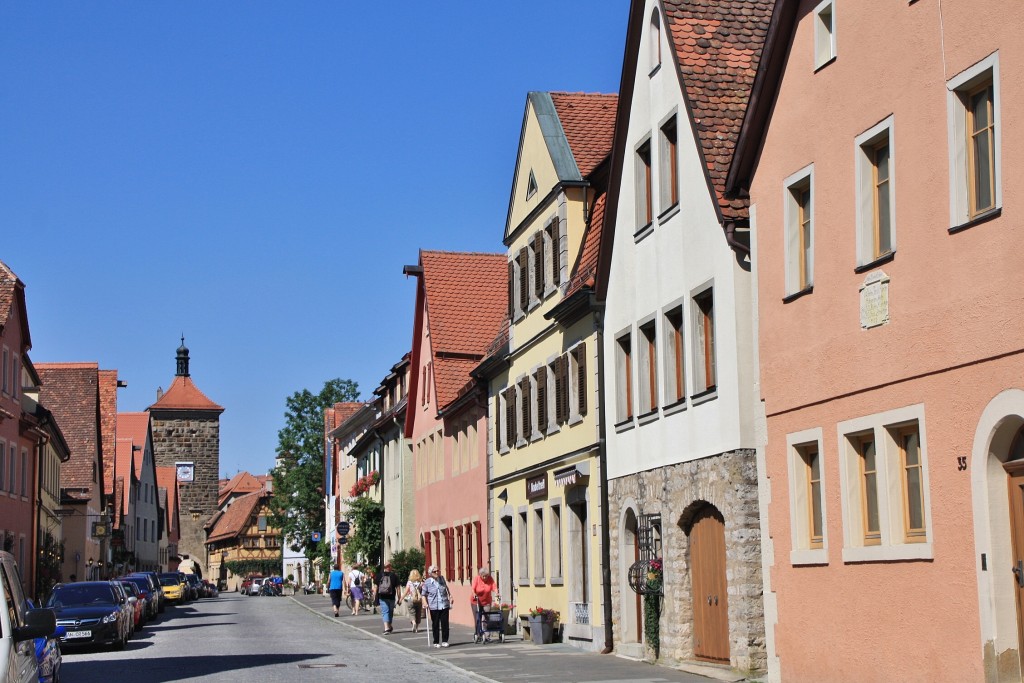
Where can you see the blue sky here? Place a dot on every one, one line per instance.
(255, 175)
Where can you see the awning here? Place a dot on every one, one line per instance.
(574, 475)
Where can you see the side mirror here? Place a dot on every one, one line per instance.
(39, 623)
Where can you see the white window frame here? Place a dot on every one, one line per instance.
(668, 168)
(643, 183)
(957, 87)
(824, 33)
(522, 547)
(702, 388)
(791, 240)
(555, 540)
(654, 42)
(574, 383)
(643, 362)
(501, 417)
(864, 146)
(624, 392)
(537, 543)
(668, 366)
(799, 505)
(893, 545)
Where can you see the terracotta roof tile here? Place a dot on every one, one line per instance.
(107, 382)
(717, 46)
(167, 479)
(183, 394)
(236, 517)
(134, 426)
(466, 300)
(588, 120)
(70, 391)
(8, 280)
(125, 464)
(241, 483)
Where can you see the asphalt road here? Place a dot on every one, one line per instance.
(250, 640)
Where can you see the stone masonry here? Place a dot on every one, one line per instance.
(729, 483)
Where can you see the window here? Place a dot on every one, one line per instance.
(540, 379)
(531, 185)
(824, 33)
(975, 142)
(885, 487)
(799, 218)
(538, 544)
(624, 377)
(5, 384)
(807, 502)
(3, 453)
(510, 417)
(654, 41)
(15, 377)
(523, 568)
(704, 341)
(523, 268)
(876, 206)
(577, 361)
(675, 374)
(462, 554)
(261, 523)
(560, 371)
(648, 370)
(526, 416)
(555, 541)
(668, 171)
(538, 265)
(553, 239)
(12, 479)
(24, 473)
(644, 208)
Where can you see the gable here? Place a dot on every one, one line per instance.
(543, 152)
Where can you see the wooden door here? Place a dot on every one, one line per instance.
(710, 591)
(1015, 476)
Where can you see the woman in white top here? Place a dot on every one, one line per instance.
(439, 602)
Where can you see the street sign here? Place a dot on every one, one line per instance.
(342, 540)
(343, 528)
(315, 537)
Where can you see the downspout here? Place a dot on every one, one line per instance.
(401, 478)
(602, 456)
(730, 238)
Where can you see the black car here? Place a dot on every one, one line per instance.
(142, 583)
(154, 582)
(91, 612)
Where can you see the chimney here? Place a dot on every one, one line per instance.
(159, 393)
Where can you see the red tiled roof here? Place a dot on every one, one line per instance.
(585, 270)
(108, 427)
(717, 46)
(125, 464)
(466, 300)
(183, 394)
(12, 292)
(588, 120)
(235, 519)
(70, 391)
(167, 478)
(134, 426)
(243, 482)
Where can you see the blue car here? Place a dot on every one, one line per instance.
(48, 654)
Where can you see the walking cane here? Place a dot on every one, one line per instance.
(426, 610)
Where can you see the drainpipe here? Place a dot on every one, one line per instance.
(602, 456)
(730, 238)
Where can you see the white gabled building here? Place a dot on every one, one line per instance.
(678, 348)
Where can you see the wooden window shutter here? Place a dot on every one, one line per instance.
(468, 532)
(524, 279)
(511, 288)
(497, 422)
(462, 554)
(426, 549)
(538, 265)
(581, 378)
(450, 574)
(542, 399)
(524, 387)
(510, 417)
(479, 545)
(559, 389)
(555, 254)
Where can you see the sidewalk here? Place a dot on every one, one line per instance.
(513, 660)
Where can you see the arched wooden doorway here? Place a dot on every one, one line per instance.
(631, 605)
(709, 585)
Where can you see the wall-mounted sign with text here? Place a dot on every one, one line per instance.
(537, 487)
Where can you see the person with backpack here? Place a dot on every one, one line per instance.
(439, 602)
(355, 588)
(384, 591)
(413, 597)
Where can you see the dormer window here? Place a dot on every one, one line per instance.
(654, 42)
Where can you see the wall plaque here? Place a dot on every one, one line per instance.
(874, 300)
(537, 487)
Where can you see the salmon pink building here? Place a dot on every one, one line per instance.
(460, 306)
(885, 190)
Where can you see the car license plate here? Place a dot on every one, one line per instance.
(78, 634)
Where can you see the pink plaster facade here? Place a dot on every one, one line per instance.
(945, 355)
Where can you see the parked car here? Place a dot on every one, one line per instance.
(194, 586)
(127, 607)
(137, 602)
(171, 587)
(211, 589)
(92, 612)
(148, 596)
(252, 585)
(154, 582)
(18, 623)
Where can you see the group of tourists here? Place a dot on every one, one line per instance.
(428, 597)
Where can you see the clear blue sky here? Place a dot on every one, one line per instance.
(255, 175)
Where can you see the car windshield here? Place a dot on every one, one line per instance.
(141, 583)
(169, 581)
(81, 594)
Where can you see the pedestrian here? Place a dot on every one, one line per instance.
(355, 588)
(439, 602)
(482, 592)
(384, 591)
(335, 585)
(413, 597)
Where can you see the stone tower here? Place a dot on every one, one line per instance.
(186, 436)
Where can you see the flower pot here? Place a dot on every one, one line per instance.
(510, 627)
(542, 631)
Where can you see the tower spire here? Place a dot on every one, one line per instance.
(182, 359)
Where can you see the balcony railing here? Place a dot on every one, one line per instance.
(580, 612)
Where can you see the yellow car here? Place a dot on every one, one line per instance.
(172, 588)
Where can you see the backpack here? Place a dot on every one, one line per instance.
(385, 587)
(355, 580)
(416, 591)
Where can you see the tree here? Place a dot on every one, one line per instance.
(297, 503)
(365, 544)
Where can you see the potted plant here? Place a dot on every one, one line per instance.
(542, 625)
(506, 610)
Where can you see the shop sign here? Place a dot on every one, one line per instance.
(537, 487)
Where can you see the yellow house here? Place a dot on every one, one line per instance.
(542, 371)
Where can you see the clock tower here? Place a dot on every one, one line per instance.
(186, 436)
